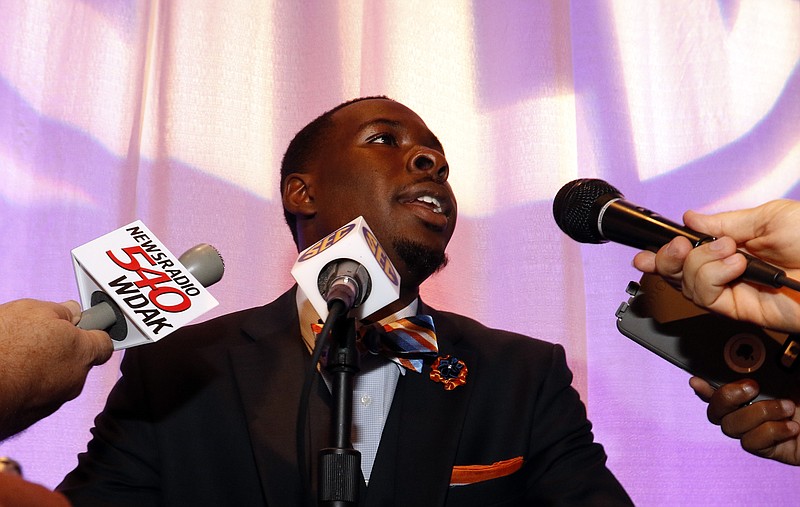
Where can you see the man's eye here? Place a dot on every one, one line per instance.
(383, 139)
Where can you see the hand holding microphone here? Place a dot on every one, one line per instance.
(593, 211)
(44, 359)
(708, 274)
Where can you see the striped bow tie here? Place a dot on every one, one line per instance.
(405, 341)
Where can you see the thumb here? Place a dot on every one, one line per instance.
(100, 346)
(73, 311)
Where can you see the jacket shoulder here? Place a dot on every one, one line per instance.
(229, 329)
(474, 334)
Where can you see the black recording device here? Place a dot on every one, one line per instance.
(713, 347)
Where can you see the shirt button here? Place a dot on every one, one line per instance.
(366, 400)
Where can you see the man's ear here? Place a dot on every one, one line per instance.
(298, 194)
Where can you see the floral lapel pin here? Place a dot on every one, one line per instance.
(450, 371)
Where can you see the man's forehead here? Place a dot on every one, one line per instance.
(375, 109)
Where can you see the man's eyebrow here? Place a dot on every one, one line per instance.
(380, 121)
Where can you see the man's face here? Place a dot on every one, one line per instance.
(381, 161)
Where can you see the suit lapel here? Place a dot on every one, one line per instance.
(419, 442)
(266, 371)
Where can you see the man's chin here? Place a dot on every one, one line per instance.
(420, 260)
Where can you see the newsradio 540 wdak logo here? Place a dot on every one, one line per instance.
(154, 291)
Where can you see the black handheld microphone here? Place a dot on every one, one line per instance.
(593, 211)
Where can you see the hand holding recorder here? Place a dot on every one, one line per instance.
(707, 275)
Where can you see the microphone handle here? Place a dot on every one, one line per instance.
(650, 232)
(653, 231)
(106, 315)
(764, 273)
(99, 316)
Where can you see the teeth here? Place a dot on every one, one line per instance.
(437, 206)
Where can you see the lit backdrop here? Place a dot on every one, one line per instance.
(177, 113)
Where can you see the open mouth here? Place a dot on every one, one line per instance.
(431, 202)
(432, 208)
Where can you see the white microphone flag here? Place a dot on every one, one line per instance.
(153, 290)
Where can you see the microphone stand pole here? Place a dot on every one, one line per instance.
(340, 464)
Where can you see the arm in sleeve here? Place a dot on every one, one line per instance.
(120, 465)
(569, 466)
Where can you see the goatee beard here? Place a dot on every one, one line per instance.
(419, 259)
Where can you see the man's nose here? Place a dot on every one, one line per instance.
(432, 162)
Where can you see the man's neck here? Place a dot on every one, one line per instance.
(405, 299)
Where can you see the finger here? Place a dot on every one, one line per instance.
(670, 257)
(73, 309)
(736, 224)
(645, 262)
(701, 388)
(100, 346)
(709, 270)
(717, 224)
(763, 440)
(737, 424)
(706, 260)
(729, 398)
(700, 222)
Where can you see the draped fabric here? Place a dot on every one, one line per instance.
(178, 112)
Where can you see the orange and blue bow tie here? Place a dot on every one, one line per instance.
(407, 341)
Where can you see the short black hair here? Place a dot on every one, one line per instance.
(300, 150)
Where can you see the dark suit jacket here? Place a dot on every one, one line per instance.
(207, 417)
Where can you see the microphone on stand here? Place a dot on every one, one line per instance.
(348, 265)
(346, 272)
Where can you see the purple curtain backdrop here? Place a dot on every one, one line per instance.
(177, 113)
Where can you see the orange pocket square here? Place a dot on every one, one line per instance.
(470, 474)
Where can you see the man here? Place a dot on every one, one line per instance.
(207, 417)
(708, 275)
(44, 360)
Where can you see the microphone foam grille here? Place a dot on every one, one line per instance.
(575, 209)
